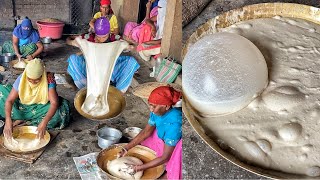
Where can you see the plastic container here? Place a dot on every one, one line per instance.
(52, 30)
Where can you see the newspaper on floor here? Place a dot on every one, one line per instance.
(88, 168)
(60, 78)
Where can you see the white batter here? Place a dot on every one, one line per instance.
(100, 61)
(281, 128)
(20, 64)
(25, 142)
(119, 167)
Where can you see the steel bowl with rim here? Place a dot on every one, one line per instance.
(46, 40)
(28, 132)
(131, 132)
(7, 57)
(264, 10)
(143, 153)
(116, 101)
(108, 136)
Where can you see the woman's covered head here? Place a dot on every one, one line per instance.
(26, 27)
(164, 95)
(162, 98)
(105, 7)
(34, 70)
(102, 27)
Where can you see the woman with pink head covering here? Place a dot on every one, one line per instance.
(163, 132)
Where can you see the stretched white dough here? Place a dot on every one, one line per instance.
(100, 60)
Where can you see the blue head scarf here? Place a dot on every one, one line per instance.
(25, 31)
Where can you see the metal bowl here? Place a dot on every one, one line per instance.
(29, 131)
(7, 57)
(116, 101)
(108, 136)
(46, 40)
(141, 152)
(1, 126)
(131, 132)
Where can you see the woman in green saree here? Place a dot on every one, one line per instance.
(33, 98)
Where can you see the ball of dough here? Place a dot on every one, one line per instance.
(120, 169)
(20, 64)
(223, 73)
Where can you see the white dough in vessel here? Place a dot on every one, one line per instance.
(100, 61)
(223, 73)
(120, 169)
(20, 64)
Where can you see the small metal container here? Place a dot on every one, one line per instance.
(131, 132)
(7, 57)
(1, 126)
(108, 136)
(46, 40)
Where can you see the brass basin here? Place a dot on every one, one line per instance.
(29, 131)
(143, 153)
(264, 10)
(116, 101)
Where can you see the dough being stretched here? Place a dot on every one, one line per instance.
(20, 64)
(120, 169)
(100, 61)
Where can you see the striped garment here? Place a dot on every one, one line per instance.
(25, 50)
(168, 71)
(121, 77)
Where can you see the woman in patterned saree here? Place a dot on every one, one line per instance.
(33, 98)
(25, 41)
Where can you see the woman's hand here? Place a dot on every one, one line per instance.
(7, 131)
(41, 130)
(153, 31)
(30, 57)
(19, 56)
(122, 152)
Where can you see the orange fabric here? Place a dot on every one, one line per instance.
(164, 95)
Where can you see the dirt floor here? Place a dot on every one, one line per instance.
(79, 138)
(199, 160)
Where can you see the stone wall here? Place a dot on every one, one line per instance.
(6, 15)
(34, 9)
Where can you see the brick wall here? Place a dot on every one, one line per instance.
(6, 13)
(34, 9)
(40, 9)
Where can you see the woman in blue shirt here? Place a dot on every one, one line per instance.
(25, 41)
(163, 132)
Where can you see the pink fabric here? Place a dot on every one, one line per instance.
(174, 165)
(140, 32)
(141, 48)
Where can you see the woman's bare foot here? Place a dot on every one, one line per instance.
(18, 122)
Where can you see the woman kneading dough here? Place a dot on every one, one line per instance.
(33, 98)
(162, 133)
